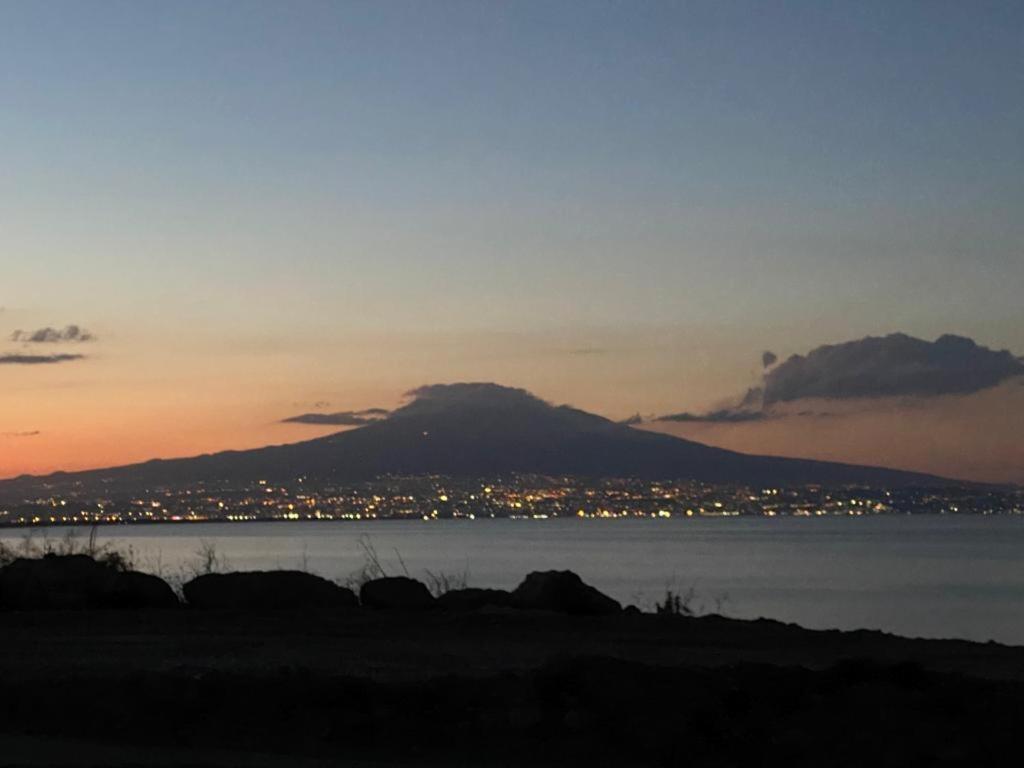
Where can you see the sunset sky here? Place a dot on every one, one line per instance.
(252, 210)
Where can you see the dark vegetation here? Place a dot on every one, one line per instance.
(117, 558)
(69, 574)
(676, 604)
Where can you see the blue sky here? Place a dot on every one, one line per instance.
(665, 182)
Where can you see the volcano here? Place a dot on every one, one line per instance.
(476, 430)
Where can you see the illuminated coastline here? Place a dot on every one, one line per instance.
(518, 497)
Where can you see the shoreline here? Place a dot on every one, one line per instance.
(915, 576)
(264, 667)
(489, 518)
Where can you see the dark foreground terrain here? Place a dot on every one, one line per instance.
(492, 687)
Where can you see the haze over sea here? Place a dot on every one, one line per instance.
(953, 576)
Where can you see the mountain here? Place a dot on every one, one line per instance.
(474, 430)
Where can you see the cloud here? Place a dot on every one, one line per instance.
(871, 368)
(30, 433)
(469, 392)
(474, 395)
(768, 358)
(48, 335)
(341, 419)
(721, 416)
(15, 359)
(894, 365)
(750, 407)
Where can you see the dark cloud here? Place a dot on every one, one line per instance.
(894, 365)
(48, 335)
(749, 408)
(14, 359)
(753, 400)
(873, 367)
(721, 416)
(470, 393)
(769, 358)
(31, 433)
(340, 419)
(471, 401)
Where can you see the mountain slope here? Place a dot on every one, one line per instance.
(476, 430)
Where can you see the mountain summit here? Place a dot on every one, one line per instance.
(475, 430)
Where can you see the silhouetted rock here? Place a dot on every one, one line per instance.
(561, 591)
(72, 581)
(132, 590)
(262, 590)
(79, 582)
(473, 599)
(398, 592)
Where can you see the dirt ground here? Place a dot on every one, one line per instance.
(492, 687)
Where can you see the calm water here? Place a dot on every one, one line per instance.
(929, 576)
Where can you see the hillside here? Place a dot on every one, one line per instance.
(471, 430)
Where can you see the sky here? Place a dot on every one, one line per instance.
(258, 209)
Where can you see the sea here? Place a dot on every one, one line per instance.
(937, 576)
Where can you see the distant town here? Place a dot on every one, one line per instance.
(517, 497)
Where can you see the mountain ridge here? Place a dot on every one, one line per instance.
(478, 429)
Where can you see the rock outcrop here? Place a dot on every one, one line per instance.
(397, 593)
(79, 582)
(266, 590)
(133, 590)
(561, 591)
(472, 599)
